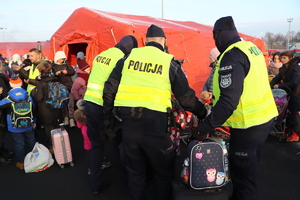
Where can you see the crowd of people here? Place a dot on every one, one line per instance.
(118, 98)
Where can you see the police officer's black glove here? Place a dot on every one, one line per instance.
(201, 111)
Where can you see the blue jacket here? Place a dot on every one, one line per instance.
(16, 94)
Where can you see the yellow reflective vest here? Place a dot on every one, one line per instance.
(145, 80)
(256, 105)
(33, 73)
(103, 64)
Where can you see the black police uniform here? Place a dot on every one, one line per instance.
(245, 144)
(145, 141)
(96, 131)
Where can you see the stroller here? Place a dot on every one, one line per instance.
(279, 126)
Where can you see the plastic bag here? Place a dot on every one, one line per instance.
(39, 159)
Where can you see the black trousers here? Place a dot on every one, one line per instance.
(245, 148)
(96, 133)
(146, 145)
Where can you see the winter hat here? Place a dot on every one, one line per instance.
(16, 57)
(127, 43)
(155, 31)
(224, 23)
(80, 54)
(15, 82)
(80, 104)
(214, 53)
(59, 55)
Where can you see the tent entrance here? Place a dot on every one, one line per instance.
(73, 49)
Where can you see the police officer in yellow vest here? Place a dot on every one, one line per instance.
(244, 102)
(103, 64)
(140, 87)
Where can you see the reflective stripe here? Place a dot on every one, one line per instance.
(95, 86)
(254, 110)
(143, 98)
(150, 91)
(96, 94)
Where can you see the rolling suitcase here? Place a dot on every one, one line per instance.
(61, 146)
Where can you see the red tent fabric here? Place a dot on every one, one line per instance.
(8, 49)
(93, 31)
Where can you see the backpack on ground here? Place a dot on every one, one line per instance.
(58, 95)
(206, 166)
(21, 113)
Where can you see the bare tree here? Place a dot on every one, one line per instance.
(279, 41)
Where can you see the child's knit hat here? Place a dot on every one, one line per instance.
(15, 82)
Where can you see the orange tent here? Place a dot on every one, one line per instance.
(93, 31)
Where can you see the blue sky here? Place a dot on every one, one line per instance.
(31, 21)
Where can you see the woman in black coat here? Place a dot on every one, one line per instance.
(288, 79)
(48, 117)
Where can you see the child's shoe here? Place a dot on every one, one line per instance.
(20, 165)
(293, 137)
(72, 123)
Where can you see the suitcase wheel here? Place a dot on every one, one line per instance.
(62, 166)
(71, 164)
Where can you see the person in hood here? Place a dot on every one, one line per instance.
(102, 66)
(21, 130)
(64, 72)
(244, 102)
(16, 60)
(48, 117)
(139, 89)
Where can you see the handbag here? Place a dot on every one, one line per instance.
(39, 159)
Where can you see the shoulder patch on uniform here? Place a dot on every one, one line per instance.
(225, 81)
(229, 67)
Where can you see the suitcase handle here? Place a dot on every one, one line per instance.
(62, 126)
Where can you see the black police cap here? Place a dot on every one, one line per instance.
(155, 31)
(224, 23)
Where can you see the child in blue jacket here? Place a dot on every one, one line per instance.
(20, 119)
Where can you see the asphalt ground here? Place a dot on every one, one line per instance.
(278, 178)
